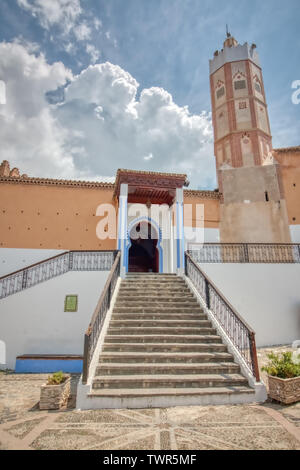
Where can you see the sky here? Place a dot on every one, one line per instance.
(96, 85)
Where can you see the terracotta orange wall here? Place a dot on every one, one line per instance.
(64, 218)
(52, 217)
(290, 170)
(211, 211)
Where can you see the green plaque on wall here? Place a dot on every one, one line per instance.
(71, 303)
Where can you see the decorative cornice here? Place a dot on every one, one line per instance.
(173, 179)
(55, 182)
(287, 149)
(204, 194)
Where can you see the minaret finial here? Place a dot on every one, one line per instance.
(227, 31)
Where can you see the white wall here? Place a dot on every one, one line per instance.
(13, 259)
(34, 322)
(295, 233)
(267, 296)
(201, 235)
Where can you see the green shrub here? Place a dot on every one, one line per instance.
(57, 378)
(282, 366)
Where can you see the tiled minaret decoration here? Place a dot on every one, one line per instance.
(253, 207)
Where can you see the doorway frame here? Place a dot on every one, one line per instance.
(159, 247)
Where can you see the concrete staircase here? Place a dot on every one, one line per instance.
(161, 350)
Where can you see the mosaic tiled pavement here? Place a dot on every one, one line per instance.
(24, 426)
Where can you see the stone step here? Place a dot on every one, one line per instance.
(169, 348)
(135, 290)
(164, 357)
(171, 393)
(170, 369)
(163, 283)
(149, 276)
(156, 304)
(148, 287)
(162, 339)
(150, 290)
(156, 299)
(159, 316)
(152, 278)
(142, 323)
(168, 381)
(150, 309)
(159, 286)
(179, 291)
(145, 331)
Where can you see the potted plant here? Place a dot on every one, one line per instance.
(55, 393)
(284, 377)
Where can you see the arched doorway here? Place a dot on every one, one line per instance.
(143, 253)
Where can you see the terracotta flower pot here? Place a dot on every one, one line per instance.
(284, 390)
(54, 397)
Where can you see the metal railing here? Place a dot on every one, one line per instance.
(245, 252)
(93, 332)
(237, 330)
(55, 266)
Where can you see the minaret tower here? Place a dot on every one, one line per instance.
(253, 207)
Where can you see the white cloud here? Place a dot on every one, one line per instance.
(71, 22)
(105, 84)
(53, 12)
(2, 92)
(109, 38)
(30, 135)
(29, 45)
(82, 32)
(70, 47)
(97, 23)
(93, 52)
(121, 130)
(102, 125)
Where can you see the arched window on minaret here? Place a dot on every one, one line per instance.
(239, 81)
(257, 85)
(220, 90)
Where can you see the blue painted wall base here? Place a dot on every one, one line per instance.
(45, 366)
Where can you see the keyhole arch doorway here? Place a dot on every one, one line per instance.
(144, 251)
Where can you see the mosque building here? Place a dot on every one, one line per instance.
(145, 222)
